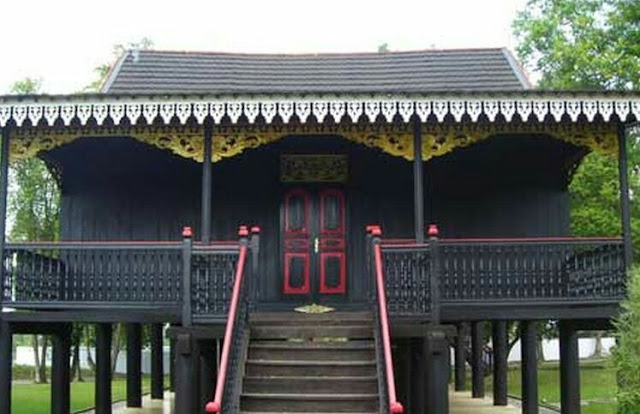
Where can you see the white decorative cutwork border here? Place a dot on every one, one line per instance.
(167, 111)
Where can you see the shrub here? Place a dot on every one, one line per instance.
(626, 354)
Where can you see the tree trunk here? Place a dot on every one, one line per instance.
(76, 370)
(597, 353)
(540, 350)
(43, 359)
(36, 359)
(90, 361)
(115, 350)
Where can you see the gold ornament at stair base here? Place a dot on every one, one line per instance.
(314, 308)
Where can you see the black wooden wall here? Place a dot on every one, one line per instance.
(120, 189)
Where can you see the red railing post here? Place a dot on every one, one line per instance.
(394, 405)
(216, 405)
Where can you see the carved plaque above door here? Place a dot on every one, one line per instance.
(314, 168)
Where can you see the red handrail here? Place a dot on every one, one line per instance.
(216, 405)
(395, 406)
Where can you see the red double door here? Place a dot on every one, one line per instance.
(314, 246)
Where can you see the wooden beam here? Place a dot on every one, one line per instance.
(208, 370)
(4, 184)
(104, 332)
(418, 372)
(61, 372)
(477, 367)
(6, 360)
(134, 365)
(172, 364)
(205, 231)
(157, 369)
(623, 176)
(185, 395)
(460, 357)
(500, 354)
(528, 338)
(418, 186)
(569, 369)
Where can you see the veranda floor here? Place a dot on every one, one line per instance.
(460, 403)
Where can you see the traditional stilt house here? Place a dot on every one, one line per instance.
(390, 198)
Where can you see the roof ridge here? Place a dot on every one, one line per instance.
(320, 54)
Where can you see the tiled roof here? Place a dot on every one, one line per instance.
(147, 71)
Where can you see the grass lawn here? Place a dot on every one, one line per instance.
(36, 398)
(597, 385)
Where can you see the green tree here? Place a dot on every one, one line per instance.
(102, 71)
(627, 352)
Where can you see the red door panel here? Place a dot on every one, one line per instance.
(314, 259)
(332, 242)
(296, 243)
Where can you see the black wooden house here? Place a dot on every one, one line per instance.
(409, 192)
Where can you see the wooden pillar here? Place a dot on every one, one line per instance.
(6, 362)
(61, 371)
(418, 188)
(104, 332)
(500, 355)
(157, 359)
(623, 177)
(477, 367)
(208, 371)
(134, 365)
(460, 357)
(4, 183)
(436, 359)
(185, 397)
(172, 364)
(417, 385)
(569, 369)
(528, 337)
(205, 231)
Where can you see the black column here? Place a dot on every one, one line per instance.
(6, 360)
(186, 388)
(208, 371)
(172, 364)
(500, 355)
(157, 359)
(529, 367)
(418, 189)
(417, 385)
(436, 359)
(61, 371)
(104, 332)
(206, 183)
(623, 177)
(4, 181)
(134, 365)
(477, 367)
(460, 357)
(569, 369)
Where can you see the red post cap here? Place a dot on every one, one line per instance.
(397, 408)
(433, 230)
(370, 227)
(212, 407)
(187, 232)
(376, 231)
(243, 231)
(255, 229)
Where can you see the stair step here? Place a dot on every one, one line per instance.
(309, 402)
(297, 318)
(311, 385)
(311, 331)
(279, 368)
(307, 350)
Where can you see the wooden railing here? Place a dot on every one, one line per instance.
(420, 277)
(383, 337)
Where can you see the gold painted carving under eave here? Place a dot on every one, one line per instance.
(396, 140)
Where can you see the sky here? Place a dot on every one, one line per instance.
(61, 42)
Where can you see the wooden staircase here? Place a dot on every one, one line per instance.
(311, 363)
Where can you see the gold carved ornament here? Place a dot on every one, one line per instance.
(228, 142)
